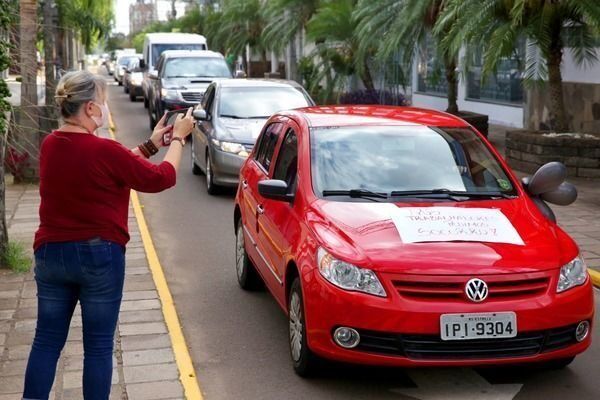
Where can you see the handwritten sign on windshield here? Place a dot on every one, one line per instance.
(445, 224)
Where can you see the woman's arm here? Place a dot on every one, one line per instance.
(157, 136)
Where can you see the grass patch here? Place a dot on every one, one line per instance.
(16, 258)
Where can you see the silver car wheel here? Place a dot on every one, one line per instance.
(240, 251)
(296, 327)
(209, 182)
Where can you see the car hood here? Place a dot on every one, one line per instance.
(239, 130)
(364, 234)
(191, 84)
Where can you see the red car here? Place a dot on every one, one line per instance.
(398, 236)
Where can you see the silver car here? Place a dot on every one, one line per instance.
(230, 118)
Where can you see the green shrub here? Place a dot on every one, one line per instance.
(16, 258)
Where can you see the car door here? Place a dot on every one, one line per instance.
(275, 217)
(256, 170)
(202, 133)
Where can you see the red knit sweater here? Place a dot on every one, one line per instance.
(85, 183)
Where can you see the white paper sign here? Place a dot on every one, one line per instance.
(445, 224)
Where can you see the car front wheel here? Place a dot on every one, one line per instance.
(304, 361)
(247, 276)
(211, 187)
(196, 170)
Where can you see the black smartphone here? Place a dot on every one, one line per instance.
(170, 121)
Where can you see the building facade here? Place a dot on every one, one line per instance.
(141, 13)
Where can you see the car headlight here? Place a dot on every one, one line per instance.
(169, 94)
(229, 147)
(348, 276)
(572, 274)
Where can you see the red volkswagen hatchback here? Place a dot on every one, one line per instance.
(399, 236)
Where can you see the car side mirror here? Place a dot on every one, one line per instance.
(199, 114)
(142, 64)
(275, 189)
(153, 74)
(240, 74)
(548, 185)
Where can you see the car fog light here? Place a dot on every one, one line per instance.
(583, 328)
(348, 338)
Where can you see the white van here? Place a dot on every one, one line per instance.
(156, 43)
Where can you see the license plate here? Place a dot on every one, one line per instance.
(478, 326)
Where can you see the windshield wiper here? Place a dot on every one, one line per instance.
(231, 116)
(259, 117)
(356, 193)
(436, 193)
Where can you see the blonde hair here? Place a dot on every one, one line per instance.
(77, 88)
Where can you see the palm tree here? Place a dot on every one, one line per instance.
(332, 29)
(286, 21)
(90, 19)
(241, 24)
(549, 25)
(404, 24)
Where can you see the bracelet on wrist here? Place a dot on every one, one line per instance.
(148, 148)
(178, 139)
(143, 150)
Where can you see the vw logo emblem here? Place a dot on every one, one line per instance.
(476, 290)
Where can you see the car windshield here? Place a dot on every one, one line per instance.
(409, 160)
(197, 67)
(259, 102)
(126, 60)
(158, 48)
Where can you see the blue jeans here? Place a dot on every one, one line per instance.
(91, 272)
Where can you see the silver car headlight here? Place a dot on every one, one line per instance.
(169, 94)
(230, 147)
(572, 274)
(348, 276)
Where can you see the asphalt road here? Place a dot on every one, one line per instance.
(238, 340)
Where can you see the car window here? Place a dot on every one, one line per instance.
(286, 167)
(266, 146)
(196, 67)
(210, 97)
(208, 94)
(259, 102)
(158, 48)
(403, 158)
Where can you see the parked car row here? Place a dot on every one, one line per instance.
(391, 236)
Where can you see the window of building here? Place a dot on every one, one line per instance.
(430, 68)
(505, 85)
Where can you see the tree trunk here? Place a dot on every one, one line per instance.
(49, 52)
(367, 78)
(28, 131)
(452, 80)
(558, 116)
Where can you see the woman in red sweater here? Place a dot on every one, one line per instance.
(85, 183)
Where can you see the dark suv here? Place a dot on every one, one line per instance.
(181, 79)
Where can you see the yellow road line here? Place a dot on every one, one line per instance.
(595, 276)
(187, 374)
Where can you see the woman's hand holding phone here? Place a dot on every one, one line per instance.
(184, 124)
(160, 130)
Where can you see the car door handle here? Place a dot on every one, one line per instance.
(244, 184)
(260, 209)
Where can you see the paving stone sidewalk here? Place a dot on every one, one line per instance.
(143, 359)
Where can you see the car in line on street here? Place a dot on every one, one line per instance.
(398, 236)
(121, 65)
(230, 118)
(181, 79)
(132, 79)
(156, 43)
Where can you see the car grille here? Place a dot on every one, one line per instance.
(192, 97)
(445, 288)
(431, 347)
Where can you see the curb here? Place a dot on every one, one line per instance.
(595, 277)
(183, 359)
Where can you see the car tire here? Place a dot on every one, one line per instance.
(151, 118)
(211, 187)
(126, 89)
(146, 103)
(120, 83)
(132, 97)
(196, 170)
(247, 277)
(304, 361)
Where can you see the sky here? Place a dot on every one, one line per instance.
(121, 8)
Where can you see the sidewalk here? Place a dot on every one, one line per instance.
(143, 360)
(581, 219)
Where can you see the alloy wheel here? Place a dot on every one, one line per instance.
(296, 327)
(240, 252)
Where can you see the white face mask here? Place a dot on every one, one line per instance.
(102, 121)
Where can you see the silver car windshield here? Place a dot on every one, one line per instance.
(197, 67)
(259, 102)
(415, 160)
